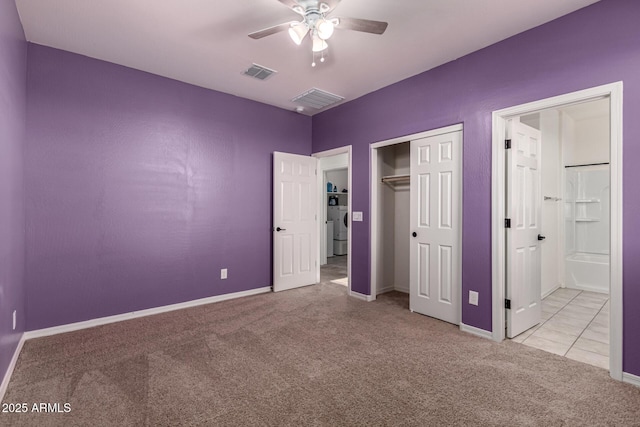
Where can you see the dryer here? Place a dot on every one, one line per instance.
(340, 217)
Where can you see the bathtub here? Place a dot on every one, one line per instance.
(589, 272)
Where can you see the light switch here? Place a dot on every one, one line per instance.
(356, 216)
(473, 297)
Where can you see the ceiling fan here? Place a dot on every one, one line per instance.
(317, 23)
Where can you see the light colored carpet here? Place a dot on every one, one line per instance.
(310, 356)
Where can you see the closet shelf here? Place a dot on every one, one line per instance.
(333, 193)
(587, 219)
(396, 178)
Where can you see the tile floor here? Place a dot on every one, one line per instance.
(575, 324)
(335, 271)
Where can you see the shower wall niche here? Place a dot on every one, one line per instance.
(587, 218)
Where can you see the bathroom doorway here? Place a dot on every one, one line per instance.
(575, 220)
(557, 252)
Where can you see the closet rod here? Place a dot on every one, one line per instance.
(589, 164)
(395, 178)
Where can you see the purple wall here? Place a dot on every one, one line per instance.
(13, 96)
(593, 46)
(141, 188)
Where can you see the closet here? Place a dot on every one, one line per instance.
(393, 211)
(416, 220)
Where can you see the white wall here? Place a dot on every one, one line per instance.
(393, 227)
(552, 248)
(339, 178)
(339, 161)
(386, 213)
(586, 140)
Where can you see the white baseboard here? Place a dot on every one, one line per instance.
(10, 368)
(476, 331)
(385, 290)
(363, 297)
(142, 313)
(631, 379)
(588, 288)
(546, 294)
(392, 288)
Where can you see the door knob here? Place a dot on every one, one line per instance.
(414, 234)
(281, 229)
(541, 237)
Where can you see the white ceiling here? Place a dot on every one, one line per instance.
(205, 42)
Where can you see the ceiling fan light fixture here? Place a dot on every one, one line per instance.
(324, 28)
(298, 32)
(318, 44)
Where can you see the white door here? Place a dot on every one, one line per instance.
(436, 222)
(524, 213)
(295, 228)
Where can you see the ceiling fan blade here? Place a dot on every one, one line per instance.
(293, 5)
(364, 25)
(271, 30)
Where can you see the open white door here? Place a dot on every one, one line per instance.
(295, 231)
(523, 287)
(435, 219)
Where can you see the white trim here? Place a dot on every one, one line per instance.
(476, 331)
(614, 92)
(419, 135)
(142, 313)
(363, 297)
(552, 290)
(11, 367)
(631, 379)
(328, 153)
(385, 290)
(373, 195)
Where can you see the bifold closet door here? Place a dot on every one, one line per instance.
(436, 222)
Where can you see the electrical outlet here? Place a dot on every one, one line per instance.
(473, 298)
(14, 320)
(223, 273)
(357, 216)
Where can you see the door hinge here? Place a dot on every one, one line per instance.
(507, 144)
(507, 223)
(507, 304)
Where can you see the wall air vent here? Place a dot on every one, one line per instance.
(316, 98)
(259, 72)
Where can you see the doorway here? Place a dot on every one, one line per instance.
(582, 213)
(334, 217)
(416, 220)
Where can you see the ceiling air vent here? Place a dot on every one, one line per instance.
(259, 72)
(316, 98)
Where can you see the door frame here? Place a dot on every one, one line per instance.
(373, 197)
(322, 209)
(613, 91)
